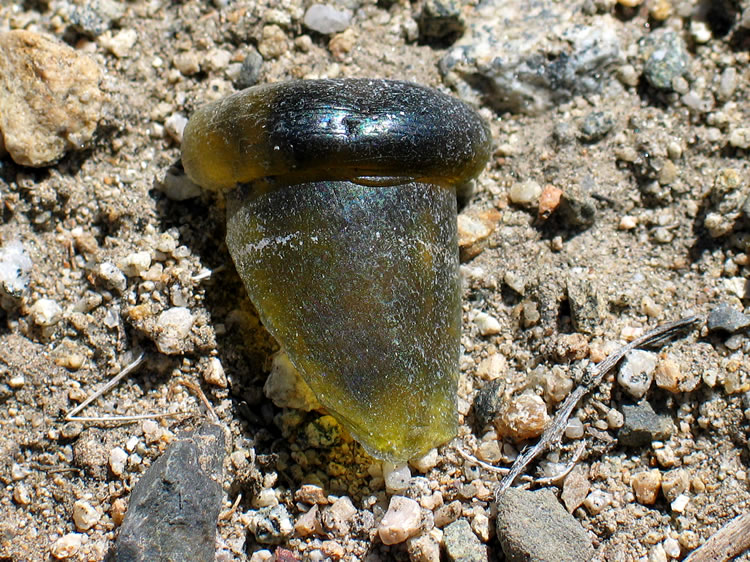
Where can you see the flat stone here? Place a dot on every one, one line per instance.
(642, 425)
(49, 95)
(534, 527)
(175, 505)
(461, 544)
(727, 319)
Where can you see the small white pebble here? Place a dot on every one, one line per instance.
(401, 521)
(597, 501)
(574, 429)
(16, 382)
(637, 372)
(740, 137)
(627, 222)
(486, 324)
(67, 545)
(120, 45)
(85, 515)
(136, 263)
(21, 495)
(525, 192)
(680, 503)
(46, 313)
(672, 547)
(174, 125)
(426, 462)
(396, 477)
(173, 326)
(657, 554)
(117, 459)
(214, 373)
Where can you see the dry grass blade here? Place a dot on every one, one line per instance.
(731, 540)
(594, 375)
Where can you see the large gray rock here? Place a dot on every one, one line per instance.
(175, 505)
(525, 56)
(534, 527)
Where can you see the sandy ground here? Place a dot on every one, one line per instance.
(648, 258)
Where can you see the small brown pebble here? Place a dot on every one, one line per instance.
(311, 494)
(575, 488)
(660, 9)
(646, 486)
(675, 482)
(668, 375)
(549, 200)
(524, 417)
(341, 44)
(571, 347)
(447, 514)
(118, 510)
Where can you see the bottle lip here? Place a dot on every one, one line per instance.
(369, 130)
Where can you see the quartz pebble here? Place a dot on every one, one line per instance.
(396, 477)
(50, 97)
(637, 372)
(173, 326)
(15, 265)
(401, 521)
(646, 486)
(486, 324)
(118, 457)
(326, 19)
(525, 417)
(45, 313)
(285, 387)
(426, 462)
(525, 192)
(120, 44)
(85, 515)
(67, 546)
(597, 501)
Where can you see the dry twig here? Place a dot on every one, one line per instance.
(593, 377)
(726, 543)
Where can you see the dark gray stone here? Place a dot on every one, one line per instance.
(534, 527)
(488, 402)
(175, 505)
(440, 20)
(642, 425)
(250, 69)
(461, 544)
(666, 58)
(727, 319)
(596, 125)
(95, 17)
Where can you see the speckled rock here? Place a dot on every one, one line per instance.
(642, 425)
(529, 56)
(534, 527)
(441, 20)
(175, 505)
(666, 58)
(49, 95)
(461, 544)
(727, 319)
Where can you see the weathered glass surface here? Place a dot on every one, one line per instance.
(360, 286)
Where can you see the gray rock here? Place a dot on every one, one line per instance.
(95, 17)
(727, 319)
(666, 58)
(326, 19)
(488, 402)
(585, 305)
(175, 505)
(250, 69)
(577, 208)
(642, 425)
(461, 544)
(441, 20)
(534, 527)
(527, 56)
(596, 125)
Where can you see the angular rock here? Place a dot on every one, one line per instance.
(50, 100)
(461, 544)
(642, 425)
(534, 527)
(727, 319)
(175, 505)
(666, 58)
(527, 56)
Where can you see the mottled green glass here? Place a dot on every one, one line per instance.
(360, 286)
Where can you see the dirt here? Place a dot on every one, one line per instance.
(105, 203)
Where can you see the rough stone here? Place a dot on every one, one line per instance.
(637, 372)
(326, 19)
(175, 505)
(586, 306)
(642, 425)
(461, 544)
(529, 55)
(401, 521)
(727, 319)
(488, 403)
(534, 527)
(666, 58)
(49, 95)
(441, 20)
